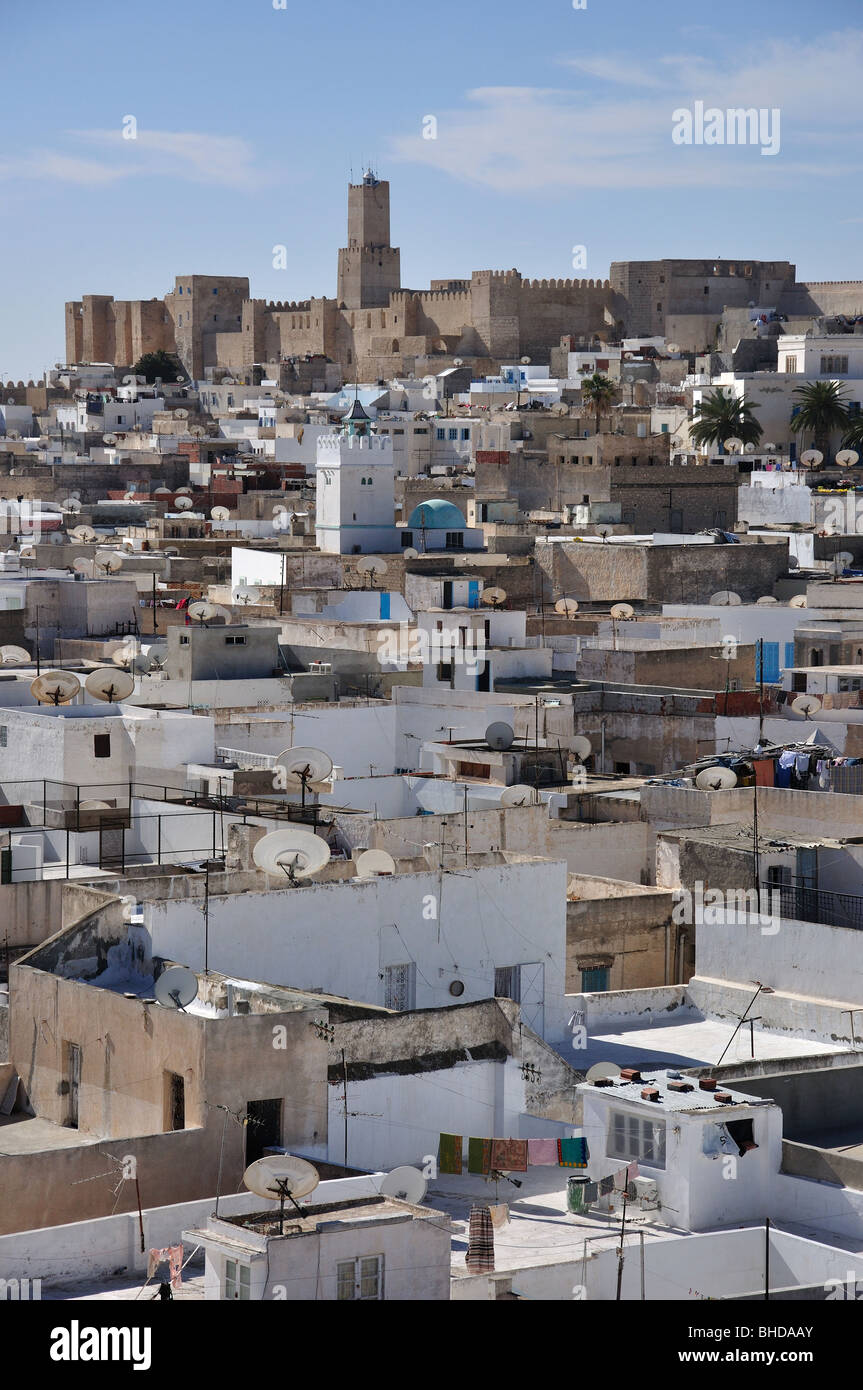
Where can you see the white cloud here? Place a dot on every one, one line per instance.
(223, 160)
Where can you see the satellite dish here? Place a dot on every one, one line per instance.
(371, 565)
(197, 432)
(806, 705)
(622, 612)
(733, 445)
(181, 414)
(567, 607)
(749, 448)
(715, 779)
(176, 987)
(768, 448)
(183, 491)
(499, 736)
(220, 514)
(726, 598)
(374, 862)
(291, 853)
(109, 684)
(71, 504)
(203, 611)
(766, 600)
(406, 1184)
(409, 553)
(813, 456)
(85, 534)
(846, 458)
(245, 596)
(130, 902)
(183, 503)
(81, 565)
(109, 439)
(519, 795)
(281, 1175)
(673, 347)
(493, 596)
(798, 601)
(110, 562)
(94, 806)
(160, 491)
(304, 765)
(15, 656)
(171, 550)
(279, 509)
(55, 687)
(602, 1071)
(581, 746)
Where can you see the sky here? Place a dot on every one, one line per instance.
(552, 148)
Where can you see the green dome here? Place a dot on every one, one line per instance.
(436, 514)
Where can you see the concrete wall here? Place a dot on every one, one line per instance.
(626, 931)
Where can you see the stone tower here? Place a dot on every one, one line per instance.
(369, 268)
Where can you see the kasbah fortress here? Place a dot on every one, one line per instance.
(375, 328)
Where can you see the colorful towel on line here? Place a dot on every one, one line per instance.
(606, 1186)
(572, 1153)
(480, 1250)
(509, 1155)
(478, 1155)
(542, 1153)
(591, 1192)
(499, 1215)
(449, 1153)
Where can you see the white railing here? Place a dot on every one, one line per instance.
(245, 759)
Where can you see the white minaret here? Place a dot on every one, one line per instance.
(355, 501)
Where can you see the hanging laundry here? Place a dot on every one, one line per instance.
(480, 1250)
(170, 1254)
(782, 776)
(175, 1264)
(478, 1155)
(606, 1186)
(801, 764)
(499, 1212)
(591, 1192)
(572, 1153)
(764, 770)
(542, 1153)
(449, 1153)
(575, 1188)
(509, 1155)
(632, 1172)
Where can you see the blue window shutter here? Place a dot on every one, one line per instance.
(789, 653)
(385, 605)
(473, 593)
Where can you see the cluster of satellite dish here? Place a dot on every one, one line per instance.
(727, 598)
(15, 656)
(60, 687)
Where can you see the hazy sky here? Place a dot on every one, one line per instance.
(554, 130)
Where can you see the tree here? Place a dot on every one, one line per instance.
(724, 417)
(158, 364)
(822, 410)
(853, 436)
(599, 392)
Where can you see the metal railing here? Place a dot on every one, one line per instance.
(799, 900)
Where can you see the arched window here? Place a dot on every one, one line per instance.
(815, 657)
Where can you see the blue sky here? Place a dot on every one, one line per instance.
(553, 131)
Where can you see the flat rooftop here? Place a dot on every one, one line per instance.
(696, 1042)
(693, 1100)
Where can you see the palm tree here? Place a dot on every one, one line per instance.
(724, 417)
(853, 436)
(822, 410)
(600, 392)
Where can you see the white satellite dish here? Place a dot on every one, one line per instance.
(281, 1175)
(602, 1071)
(812, 456)
(176, 987)
(798, 601)
(220, 513)
(95, 806)
(81, 565)
(566, 607)
(292, 854)
(499, 736)
(726, 598)
(55, 687)
(493, 596)
(183, 491)
(15, 656)
(844, 556)
(109, 684)
(371, 565)
(519, 795)
(672, 347)
(766, 600)
(406, 1184)
(279, 509)
(197, 432)
(109, 561)
(181, 414)
(373, 863)
(183, 503)
(109, 439)
(749, 448)
(846, 458)
(409, 553)
(304, 766)
(622, 612)
(768, 448)
(71, 504)
(85, 534)
(161, 491)
(245, 596)
(733, 445)
(581, 746)
(806, 705)
(203, 611)
(714, 779)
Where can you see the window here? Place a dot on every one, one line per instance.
(175, 1101)
(407, 538)
(360, 1279)
(235, 641)
(454, 540)
(73, 1083)
(445, 671)
(238, 1280)
(634, 1137)
(507, 982)
(453, 434)
(465, 434)
(441, 434)
(399, 987)
(835, 364)
(791, 362)
(101, 745)
(4, 733)
(184, 640)
(215, 291)
(595, 980)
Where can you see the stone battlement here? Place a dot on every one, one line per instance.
(334, 443)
